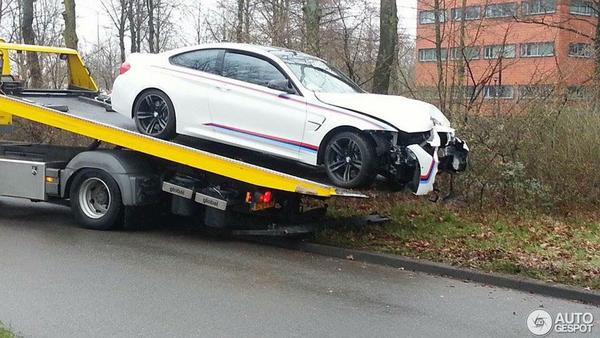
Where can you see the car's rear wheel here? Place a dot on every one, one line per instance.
(155, 115)
(350, 160)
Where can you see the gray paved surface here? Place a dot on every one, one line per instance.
(57, 280)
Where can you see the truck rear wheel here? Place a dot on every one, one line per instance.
(96, 200)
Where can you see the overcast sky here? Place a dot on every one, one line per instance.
(91, 16)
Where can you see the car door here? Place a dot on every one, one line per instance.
(247, 113)
(194, 79)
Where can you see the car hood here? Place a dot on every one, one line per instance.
(403, 113)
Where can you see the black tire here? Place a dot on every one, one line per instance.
(154, 115)
(96, 200)
(350, 160)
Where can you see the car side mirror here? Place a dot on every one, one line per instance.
(282, 85)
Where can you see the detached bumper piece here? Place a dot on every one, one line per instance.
(454, 157)
(277, 231)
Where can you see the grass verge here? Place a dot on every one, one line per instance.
(6, 333)
(563, 249)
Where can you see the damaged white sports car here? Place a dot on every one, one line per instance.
(292, 105)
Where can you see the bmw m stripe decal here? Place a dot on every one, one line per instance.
(425, 178)
(274, 139)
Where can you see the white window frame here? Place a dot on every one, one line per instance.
(458, 10)
(586, 5)
(585, 48)
(534, 91)
(443, 16)
(538, 45)
(443, 53)
(541, 7)
(455, 54)
(500, 5)
(499, 51)
(486, 92)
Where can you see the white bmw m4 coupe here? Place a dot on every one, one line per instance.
(292, 105)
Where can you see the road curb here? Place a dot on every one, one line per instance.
(496, 279)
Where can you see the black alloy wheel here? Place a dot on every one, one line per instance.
(350, 160)
(155, 115)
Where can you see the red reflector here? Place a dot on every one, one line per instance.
(266, 197)
(124, 68)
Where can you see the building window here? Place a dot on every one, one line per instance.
(470, 13)
(498, 92)
(578, 92)
(582, 50)
(429, 54)
(498, 51)
(535, 91)
(583, 7)
(467, 53)
(534, 7)
(501, 10)
(427, 17)
(537, 49)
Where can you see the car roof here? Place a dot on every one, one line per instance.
(272, 51)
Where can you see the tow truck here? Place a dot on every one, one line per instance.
(124, 178)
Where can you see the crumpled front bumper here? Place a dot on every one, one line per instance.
(414, 168)
(454, 157)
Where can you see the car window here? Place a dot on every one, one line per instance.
(250, 69)
(203, 60)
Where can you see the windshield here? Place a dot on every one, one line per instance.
(316, 75)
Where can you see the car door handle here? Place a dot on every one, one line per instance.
(223, 89)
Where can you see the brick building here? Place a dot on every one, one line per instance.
(510, 48)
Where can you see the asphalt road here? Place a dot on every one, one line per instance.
(57, 280)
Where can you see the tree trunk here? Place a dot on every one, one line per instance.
(247, 21)
(441, 87)
(240, 22)
(70, 32)
(132, 27)
(597, 45)
(1, 11)
(151, 32)
(312, 21)
(597, 58)
(388, 40)
(33, 63)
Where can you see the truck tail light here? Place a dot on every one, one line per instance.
(265, 197)
(260, 200)
(124, 68)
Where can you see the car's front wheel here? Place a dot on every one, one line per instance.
(350, 160)
(155, 115)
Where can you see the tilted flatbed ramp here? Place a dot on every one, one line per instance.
(115, 129)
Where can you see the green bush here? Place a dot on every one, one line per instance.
(543, 156)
